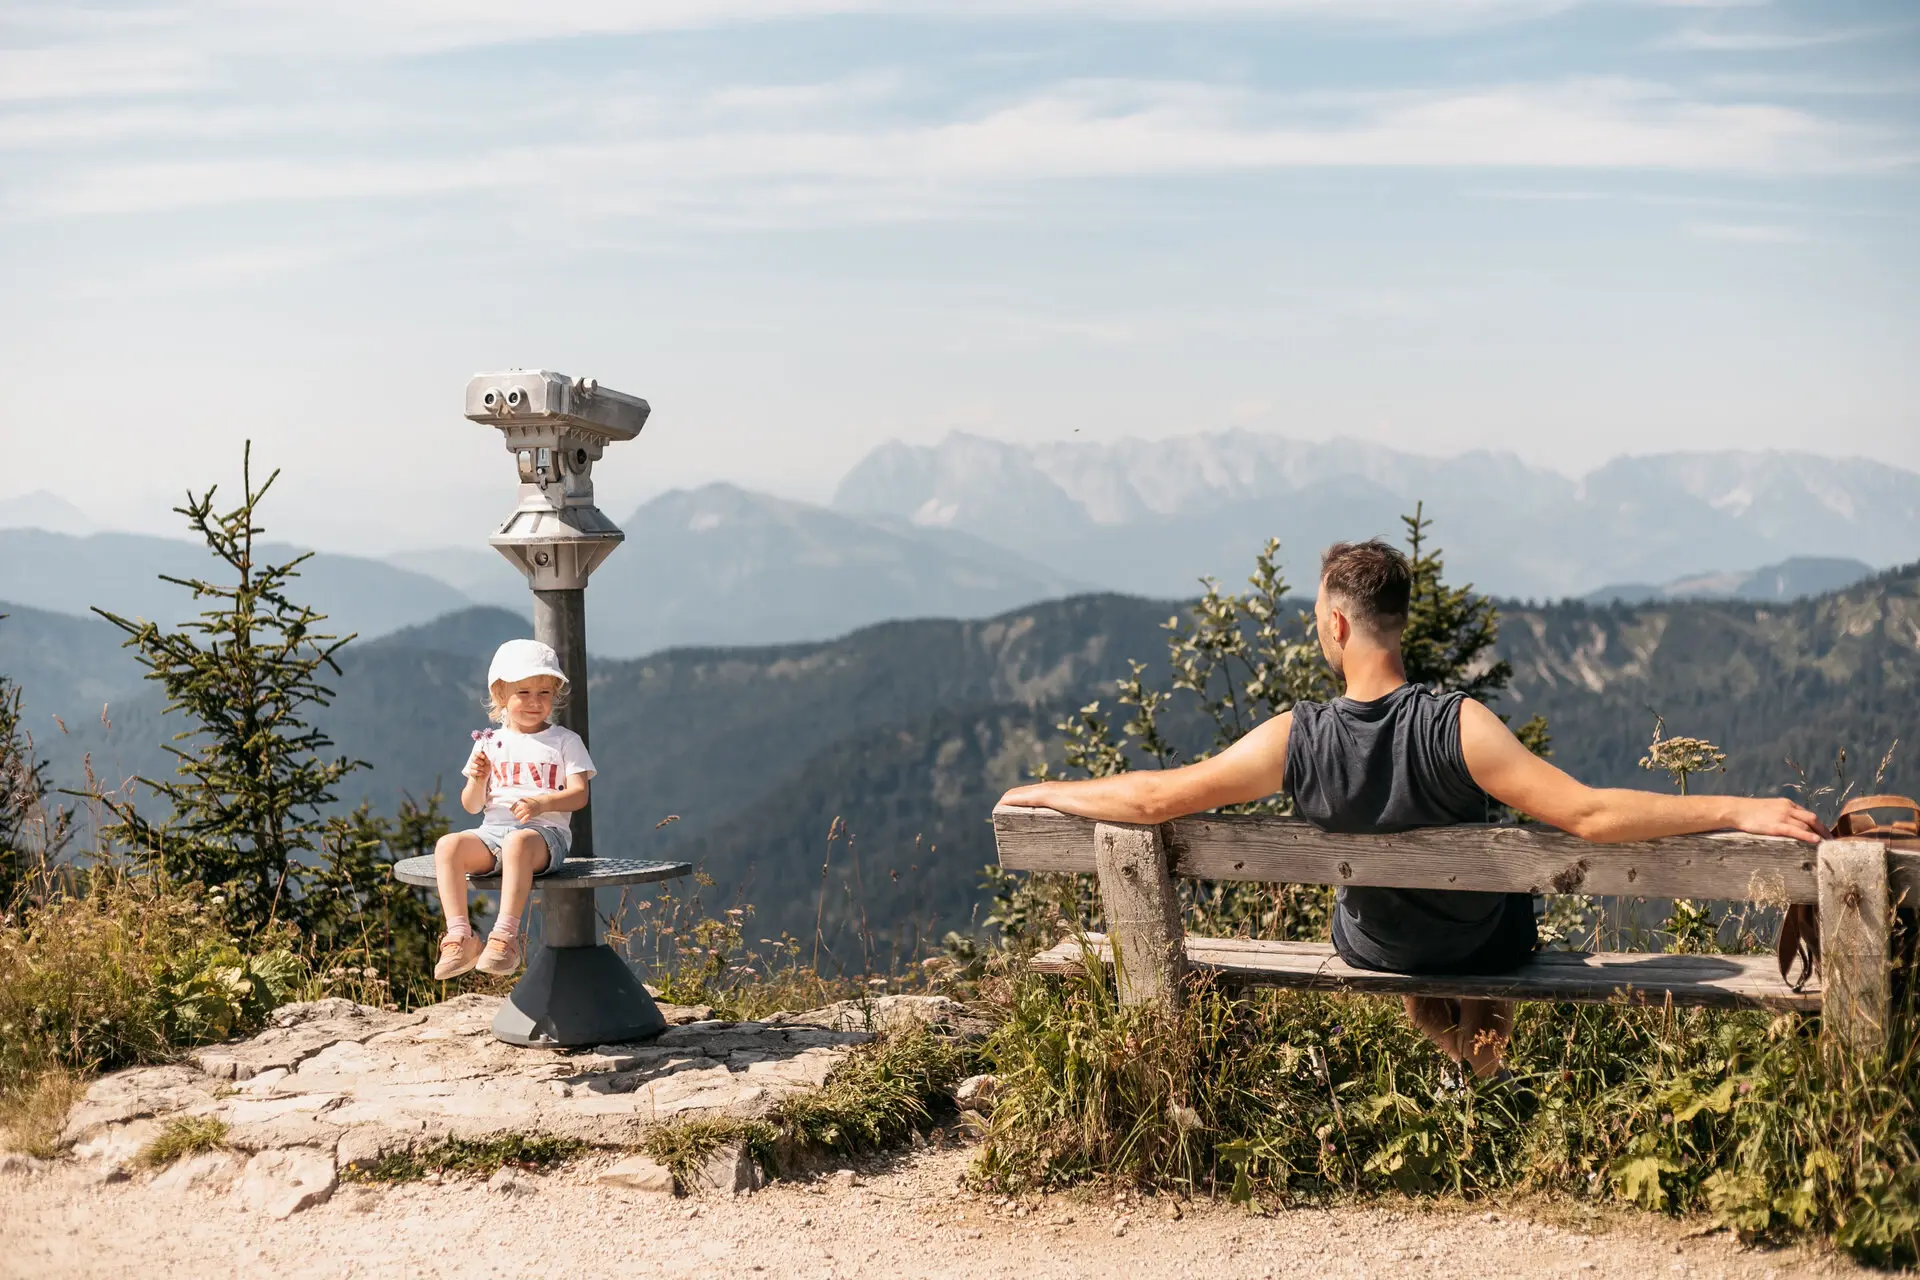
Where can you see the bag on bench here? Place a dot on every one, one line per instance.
(1800, 929)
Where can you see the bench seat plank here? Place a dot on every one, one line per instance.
(1713, 981)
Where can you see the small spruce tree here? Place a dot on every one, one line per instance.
(249, 804)
(32, 835)
(251, 784)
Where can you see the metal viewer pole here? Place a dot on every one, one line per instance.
(577, 990)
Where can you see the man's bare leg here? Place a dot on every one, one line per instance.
(1438, 1019)
(1482, 1037)
(1470, 1031)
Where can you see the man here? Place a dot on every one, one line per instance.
(1391, 756)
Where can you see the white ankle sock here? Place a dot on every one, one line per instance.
(459, 929)
(506, 927)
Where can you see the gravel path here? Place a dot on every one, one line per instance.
(910, 1218)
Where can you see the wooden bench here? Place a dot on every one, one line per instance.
(576, 990)
(1855, 882)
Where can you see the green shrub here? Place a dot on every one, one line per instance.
(129, 968)
(1306, 1096)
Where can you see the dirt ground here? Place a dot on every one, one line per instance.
(910, 1217)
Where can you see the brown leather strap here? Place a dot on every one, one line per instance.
(1799, 944)
(1856, 817)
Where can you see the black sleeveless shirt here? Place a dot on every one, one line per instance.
(1390, 765)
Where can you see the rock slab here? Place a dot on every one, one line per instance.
(280, 1184)
(640, 1173)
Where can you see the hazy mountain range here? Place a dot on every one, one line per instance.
(1148, 516)
(973, 526)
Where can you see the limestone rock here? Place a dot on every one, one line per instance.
(729, 1170)
(281, 1183)
(884, 1014)
(639, 1173)
(16, 1165)
(211, 1170)
(111, 1153)
(508, 1183)
(977, 1093)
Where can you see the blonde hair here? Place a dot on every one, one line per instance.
(496, 700)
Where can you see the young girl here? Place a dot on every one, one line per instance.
(528, 775)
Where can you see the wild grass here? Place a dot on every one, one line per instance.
(33, 1112)
(879, 1094)
(185, 1136)
(1290, 1097)
(470, 1157)
(695, 954)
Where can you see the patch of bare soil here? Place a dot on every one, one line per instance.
(909, 1216)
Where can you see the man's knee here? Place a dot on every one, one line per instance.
(1436, 1015)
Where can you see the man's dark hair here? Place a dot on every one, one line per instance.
(1372, 579)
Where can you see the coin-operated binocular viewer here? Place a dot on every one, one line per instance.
(577, 990)
(556, 428)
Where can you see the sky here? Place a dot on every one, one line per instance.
(801, 228)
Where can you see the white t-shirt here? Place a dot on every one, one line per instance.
(529, 764)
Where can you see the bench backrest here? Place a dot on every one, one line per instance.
(1507, 859)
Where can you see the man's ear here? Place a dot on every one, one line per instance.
(1338, 625)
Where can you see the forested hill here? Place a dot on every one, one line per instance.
(906, 731)
(1769, 683)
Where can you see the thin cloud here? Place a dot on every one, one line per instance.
(1074, 130)
(1716, 40)
(1746, 233)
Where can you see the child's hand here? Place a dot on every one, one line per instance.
(479, 767)
(527, 809)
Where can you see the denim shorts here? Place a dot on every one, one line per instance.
(494, 834)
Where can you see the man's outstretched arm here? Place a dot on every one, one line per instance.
(1251, 769)
(1513, 775)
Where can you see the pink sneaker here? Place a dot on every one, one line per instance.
(503, 955)
(457, 955)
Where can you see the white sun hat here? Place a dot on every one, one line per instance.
(518, 660)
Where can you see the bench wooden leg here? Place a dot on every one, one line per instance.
(1856, 978)
(1143, 914)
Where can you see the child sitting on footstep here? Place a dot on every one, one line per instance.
(525, 777)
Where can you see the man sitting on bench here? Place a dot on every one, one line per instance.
(1392, 756)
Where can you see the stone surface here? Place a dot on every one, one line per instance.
(639, 1173)
(730, 1170)
(279, 1184)
(508, 1183)
(352, 1083)
(976, 1093)
(882, 1014)
(111, 1152)
(13, 1164)
(207, 1170)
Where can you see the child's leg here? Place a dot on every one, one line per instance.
(457, 856)
(522, 854)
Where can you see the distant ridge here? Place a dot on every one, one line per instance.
(1151, 516)
(1792, 579)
